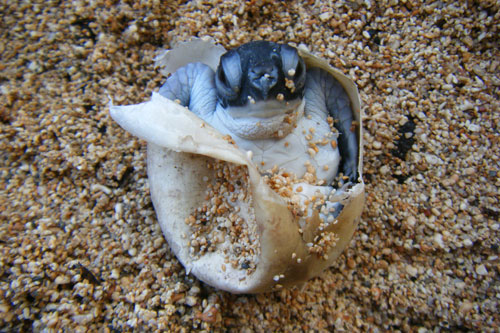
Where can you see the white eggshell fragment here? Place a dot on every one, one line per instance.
(252, 242)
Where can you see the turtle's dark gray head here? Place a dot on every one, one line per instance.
(260, 71)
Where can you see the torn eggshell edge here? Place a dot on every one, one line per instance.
(203, 50)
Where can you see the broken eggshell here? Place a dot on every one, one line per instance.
(181, 145)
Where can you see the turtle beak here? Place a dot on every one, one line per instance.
(264, 78)
(266, 83)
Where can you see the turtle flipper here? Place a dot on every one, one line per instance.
(326, 92)
(193, 86)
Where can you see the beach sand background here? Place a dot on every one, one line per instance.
(80, 248)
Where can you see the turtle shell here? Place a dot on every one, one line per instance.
(219, 215)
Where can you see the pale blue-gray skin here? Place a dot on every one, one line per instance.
(256, 72)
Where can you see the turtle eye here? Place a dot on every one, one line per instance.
(300, 74)
(222, 77)
(299, 69)
(275, 57)
(228, 76)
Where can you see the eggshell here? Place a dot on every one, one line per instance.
(179, 147)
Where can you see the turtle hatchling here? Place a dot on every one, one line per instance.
(254, 162)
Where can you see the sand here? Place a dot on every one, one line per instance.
(80, 247)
